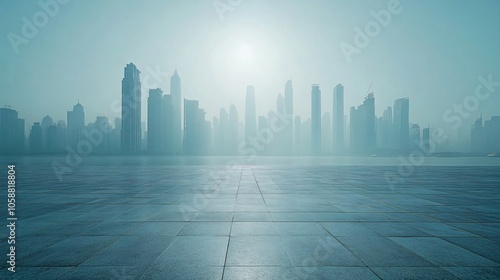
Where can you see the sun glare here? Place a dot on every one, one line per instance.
(245, 53)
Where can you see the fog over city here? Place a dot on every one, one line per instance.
(435, 53)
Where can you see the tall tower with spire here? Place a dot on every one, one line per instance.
(175, 91)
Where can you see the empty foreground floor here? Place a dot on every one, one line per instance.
(255, 222)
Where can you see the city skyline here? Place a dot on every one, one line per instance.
(240, 50)
(278, 132)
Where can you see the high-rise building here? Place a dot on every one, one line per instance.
(326, 133)
(315, 119)
(47, 122)
(224, 132)
(176, 93)
(194, 128)
(297, 135)
(363, 127)
(76, 123)
(35, 141)
(414, 139)
(156, 121)
(385, 131)
(477, 136)
(426, 140)
(288, 134)
(11, 132)
(233, 132)
(250, 114)
(338, 129)
(402, 125)
(216, 136)
(492, 134)
(131, 138)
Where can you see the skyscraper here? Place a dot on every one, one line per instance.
(477, 137)
(35, 142)
(11, 132)
(326, 133)
(47, 122)
(156, 122)
(414, 137)
(194, 128)
(250, 115)
(338, 119)
(76, 123)
(402, 125)
(297, 135)
(224, 132)
(315, 119)
(289, 137)
(233, 132)
(131, 110)
(363, 127)
(176, 93)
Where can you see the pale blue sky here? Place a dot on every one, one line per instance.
(431, 52)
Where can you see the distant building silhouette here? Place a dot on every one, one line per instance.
(385, 131)
(216, 136)
(315, 119)
(233, 132)
(250, 114)
(264, 134)
(223, 132)
(35, 141)
(161, 135)
(176, 95)
(194, 128)
(104, 138)
(131, 138)
(426, 140)
(486, 138)
(47, 122)
(76, 122)
(478, 137)
(12, 136)
(298, 135)
(402, 125)
(288, 112)
(363, 131)
(338, 121)
(415, 141)
(326, 133)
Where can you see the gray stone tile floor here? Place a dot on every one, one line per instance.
(256, 222)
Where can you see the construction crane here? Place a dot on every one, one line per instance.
(368, 91)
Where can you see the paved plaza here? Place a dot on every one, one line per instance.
(106, 221)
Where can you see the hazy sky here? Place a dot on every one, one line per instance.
(432, 52)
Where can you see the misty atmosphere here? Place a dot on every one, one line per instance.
(238, 139)
(355, 108)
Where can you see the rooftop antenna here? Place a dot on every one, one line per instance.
(368, 91)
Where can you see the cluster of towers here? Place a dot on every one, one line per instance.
(177, 126)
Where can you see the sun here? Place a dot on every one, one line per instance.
(245, 54)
